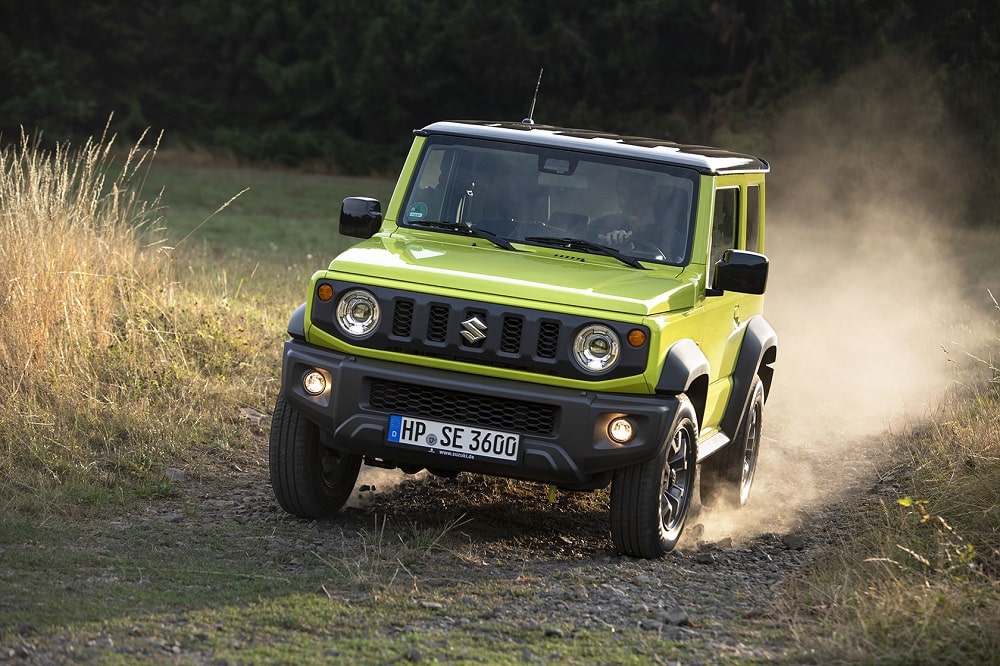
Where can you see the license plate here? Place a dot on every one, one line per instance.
(455, 441)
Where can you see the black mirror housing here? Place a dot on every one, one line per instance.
(360, 217)
(742, 272)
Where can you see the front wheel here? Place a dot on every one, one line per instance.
(650, 501)
(309, 479)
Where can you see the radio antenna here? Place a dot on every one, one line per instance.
(530, 119)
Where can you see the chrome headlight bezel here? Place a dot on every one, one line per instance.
(597, 349)
(358, 313)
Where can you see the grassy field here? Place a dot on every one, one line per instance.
(139, 341)
(274, 216)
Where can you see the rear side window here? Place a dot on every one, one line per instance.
(753, 218)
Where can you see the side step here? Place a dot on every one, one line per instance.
(710, 445)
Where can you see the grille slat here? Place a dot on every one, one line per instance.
(548, 339)
(460, 407)
(510, 338)
(402, 319)
(437, 323)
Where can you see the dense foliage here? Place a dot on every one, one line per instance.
(342, 83)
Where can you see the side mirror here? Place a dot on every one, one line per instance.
(360, 217)
(742, 272)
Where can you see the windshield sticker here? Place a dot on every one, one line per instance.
(417, 211)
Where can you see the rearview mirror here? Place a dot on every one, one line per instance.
(360, 217)
(742, 272)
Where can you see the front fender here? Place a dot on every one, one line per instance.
(685, 371)
(297, 323)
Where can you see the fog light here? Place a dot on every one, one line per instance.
(313, 382)
(621, 430)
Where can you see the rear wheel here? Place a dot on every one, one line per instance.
(650, 501)
(309, 479)
(727, 476)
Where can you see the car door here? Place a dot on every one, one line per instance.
(725, 313)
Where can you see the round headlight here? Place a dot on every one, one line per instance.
(596, 349)
(357, 313)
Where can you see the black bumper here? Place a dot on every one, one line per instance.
(563, 432)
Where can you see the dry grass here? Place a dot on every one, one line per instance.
(110, 367)
(918, 581)
(70, 259)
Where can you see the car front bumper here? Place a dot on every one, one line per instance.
(563, 432)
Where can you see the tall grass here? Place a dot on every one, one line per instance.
(110, 367)
(69, 259)
(917, 579)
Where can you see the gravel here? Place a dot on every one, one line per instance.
(548, 564)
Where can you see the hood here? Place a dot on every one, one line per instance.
(540, 275)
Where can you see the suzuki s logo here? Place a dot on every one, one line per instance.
(474, 330)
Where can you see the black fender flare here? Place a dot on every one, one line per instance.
(685, 370)
(297, 323)
(758, 352)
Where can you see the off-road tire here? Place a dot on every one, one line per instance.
(309, 479)
(650, 501)
(727, 476)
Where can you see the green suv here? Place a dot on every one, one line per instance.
(562, 306)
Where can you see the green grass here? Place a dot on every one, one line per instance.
(276, 216)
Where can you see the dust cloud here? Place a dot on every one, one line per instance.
(867, 293)
(378, 480)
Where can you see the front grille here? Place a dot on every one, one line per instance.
(471, 331)
(460, 407)
(511, 335)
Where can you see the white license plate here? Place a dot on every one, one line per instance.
(456, 441)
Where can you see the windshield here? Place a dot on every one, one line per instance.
(543, 196)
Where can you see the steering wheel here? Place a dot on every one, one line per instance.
(636, 244)
(613, 221)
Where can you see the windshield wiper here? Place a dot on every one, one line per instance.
(586, 246)
(466, 230)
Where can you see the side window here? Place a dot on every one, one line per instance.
(753, 218)
(727, 213)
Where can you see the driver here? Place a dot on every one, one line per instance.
(636, 199)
